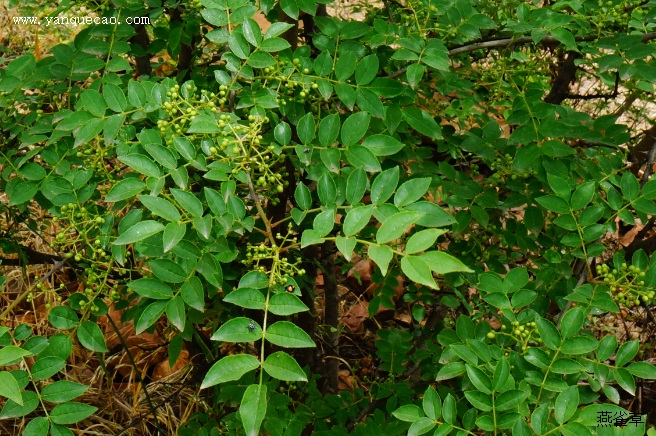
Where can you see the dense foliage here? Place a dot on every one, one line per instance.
(197, 174)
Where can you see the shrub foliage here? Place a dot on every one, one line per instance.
(197, 173)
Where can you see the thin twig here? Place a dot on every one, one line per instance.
(56, 267)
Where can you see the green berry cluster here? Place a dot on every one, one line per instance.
(524, 334)
(627, 286)
(502, 167)
(281, 267)
(96, 155)
(241, 147)
(80, 240)
(40, 289)
(182, 106)
(284, 77)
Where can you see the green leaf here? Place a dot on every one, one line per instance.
(124, 189)
(175, 313)
(254, 279)
(579, 345)
(607, 347)
(479, 379)
(287, 334)
(449, 409)
(276, 29)
(572, 322)
(88, 131)
(151, 288)
(381, 255)
(70, 413)
(248, 298)
(346, 246)
(253, 408)
(479, 400)
(549, 334)
(63, 317)
(161, 207)
(238, 45)
(347, 95)
(141, 164)
(396, 225)
(188, 202)
(114, 97)
(355, 127)
(414, 73)
(92, 101)
(252, 32)
(553, 203)
(360, 157)
(432, 404)
(329, 130)
(230, 368)
(303, 196)
(421, 426)
(368, 101)
(282, 133)
(9, 388)
(203, 124)
(408, 413)
(306, 128)
(565, 36)
(509, 400)
(382, 145)
(356, 185)
(627, 352)
(162, 156)
(282, 366)
(136, 94)
(23, 192)
(624, 378)
(285, 304)
(167, 270)
(192, 294)
(642, 370)
(444, 263)
(583, 195)
(501, 374)
(356, 219)
(630, 186)
(450, 370)
(46, 367)
(39, 426)
(173, 233)
(238, 329)
(11, 409)
(62, 391)
(366, 70)
(345, 66)
(566, 404)
(11, 353)
(422, 240)
(418, 271)
(422, 122)
(411, 191)
(560, 186)
(91, 337)
(326, 190)
(150, 315)
(384, 185)
(274, 44)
